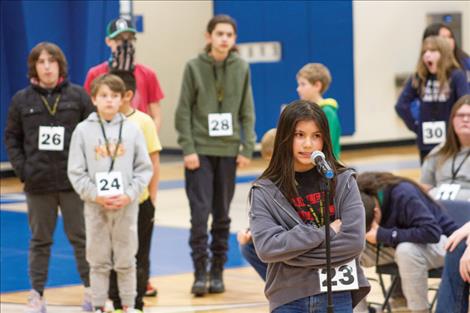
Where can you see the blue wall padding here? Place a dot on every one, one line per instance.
(309, 31)
(78, 27)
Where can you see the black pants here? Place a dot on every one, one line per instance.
(145, 230)
(210, 190)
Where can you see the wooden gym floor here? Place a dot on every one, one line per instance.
(244, 287)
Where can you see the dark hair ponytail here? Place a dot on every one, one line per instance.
(371, 183)
(434, 29)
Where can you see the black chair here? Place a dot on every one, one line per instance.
(392, 270)
(459, 211)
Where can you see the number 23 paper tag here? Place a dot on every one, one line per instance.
(343, 277)
(109, 184)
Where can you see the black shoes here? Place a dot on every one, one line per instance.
(216, 283)
(199, 287)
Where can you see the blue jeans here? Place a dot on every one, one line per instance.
(342, 303)
(249, 253)
(453, 291)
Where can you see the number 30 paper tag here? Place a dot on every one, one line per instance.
(434, 132)
(109, 184)
(343, 277)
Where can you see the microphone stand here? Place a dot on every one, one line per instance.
(324, 186)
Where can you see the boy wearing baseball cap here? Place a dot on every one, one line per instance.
(121, 38)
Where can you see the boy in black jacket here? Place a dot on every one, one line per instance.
(40, 122)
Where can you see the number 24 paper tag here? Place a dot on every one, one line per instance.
(109, 184)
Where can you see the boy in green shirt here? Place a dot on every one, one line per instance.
(313, 80)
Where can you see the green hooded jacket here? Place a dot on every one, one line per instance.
(204, 80)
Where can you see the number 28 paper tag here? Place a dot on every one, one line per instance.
(343, 277)
(109, 184)
(220, 124)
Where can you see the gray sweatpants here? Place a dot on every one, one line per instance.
(42, 215)
(112, 244)
(414, 260)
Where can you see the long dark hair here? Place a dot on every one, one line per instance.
(371, 183)
(369, 205)
(452, 144)
(281, 167)
(434, 29)
(221, 19)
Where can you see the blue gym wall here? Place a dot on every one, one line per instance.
(309, 31)
(78, 27)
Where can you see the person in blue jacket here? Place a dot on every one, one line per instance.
(455, 281)
(412, 226)
(437, 82)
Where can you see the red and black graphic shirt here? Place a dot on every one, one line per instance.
(309, 203)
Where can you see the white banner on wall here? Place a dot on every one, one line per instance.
(260, 52)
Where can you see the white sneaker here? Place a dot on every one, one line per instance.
(108, 306)
(36, 303)
(87, 306)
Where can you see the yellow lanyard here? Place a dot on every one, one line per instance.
(112, 156)
(319, 221)
(46, 104)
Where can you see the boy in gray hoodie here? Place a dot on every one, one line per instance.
(109, 167)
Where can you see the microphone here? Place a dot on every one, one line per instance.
(318, 159)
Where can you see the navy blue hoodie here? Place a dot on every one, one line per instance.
(430, 110)
(409, 216)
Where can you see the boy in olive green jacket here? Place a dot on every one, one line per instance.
(215, 123)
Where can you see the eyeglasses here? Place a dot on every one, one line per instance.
(462, 116)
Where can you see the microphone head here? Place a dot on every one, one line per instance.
(316, 154)
(329, 174)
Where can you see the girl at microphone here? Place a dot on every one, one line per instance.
(288, 226)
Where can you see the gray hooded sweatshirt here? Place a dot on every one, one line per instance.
(88, 156)
(295, 251)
